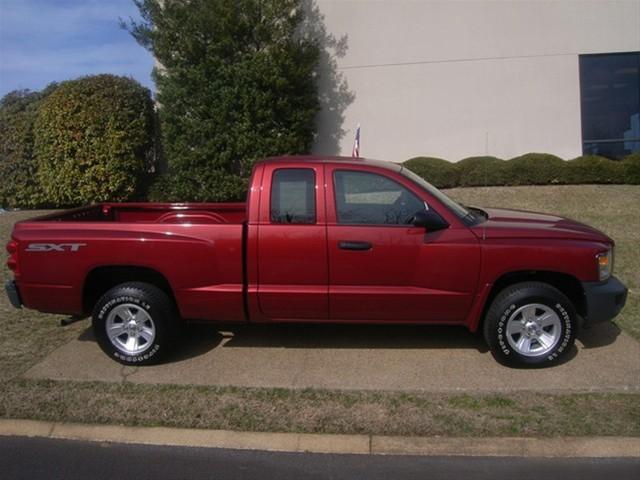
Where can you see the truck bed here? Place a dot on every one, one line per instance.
(196, 247)
(193, 213)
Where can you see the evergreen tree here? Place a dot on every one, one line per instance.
(235, 82)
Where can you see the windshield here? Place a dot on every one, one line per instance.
(455, 207)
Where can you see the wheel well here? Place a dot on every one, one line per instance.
(567, 284)
(101, 279)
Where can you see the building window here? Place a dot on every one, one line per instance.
(610, 102)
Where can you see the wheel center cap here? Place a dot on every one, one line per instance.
(531, 328)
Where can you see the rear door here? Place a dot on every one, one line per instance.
(292, 243)
(381, 266)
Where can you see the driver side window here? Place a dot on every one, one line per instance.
(364, 198)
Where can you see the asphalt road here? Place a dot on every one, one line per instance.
(37, 458)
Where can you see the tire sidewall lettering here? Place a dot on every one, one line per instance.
(504, 346)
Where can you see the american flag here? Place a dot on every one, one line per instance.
(356, 144)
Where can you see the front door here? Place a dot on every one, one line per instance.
(381, 267)
(292, 244)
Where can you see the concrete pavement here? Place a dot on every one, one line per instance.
(429, 359)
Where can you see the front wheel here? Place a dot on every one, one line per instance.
(133, 323)
(530, 323)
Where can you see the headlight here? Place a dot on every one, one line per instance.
(605, 264)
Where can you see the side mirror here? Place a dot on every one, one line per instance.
(429, 220)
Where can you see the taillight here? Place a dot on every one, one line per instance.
(12, 261)
(12, 247)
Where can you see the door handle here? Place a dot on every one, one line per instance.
(351, 245)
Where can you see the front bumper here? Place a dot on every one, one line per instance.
(12, 292)
(604, 300)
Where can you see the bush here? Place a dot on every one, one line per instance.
(94, 140)
(528, 169)
(19, 186)
(205, 185)
(534, 169)
(481, 171)
(594, 169)
(237, 83)
(439, 172)
(632, 169)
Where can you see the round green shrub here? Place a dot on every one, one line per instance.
(594, 169)
(19, 186)
(534, 169)
(481, 171)
(94, 140)
(436, 171)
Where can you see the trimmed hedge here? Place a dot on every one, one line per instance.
(480, 171)
(528, 169)
(438, 171)
(19, 186)
(94, 140)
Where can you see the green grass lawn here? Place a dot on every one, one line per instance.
(27, 336)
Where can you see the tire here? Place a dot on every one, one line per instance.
(141, 320)
(530, 324)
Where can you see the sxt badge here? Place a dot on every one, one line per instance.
(55, 247)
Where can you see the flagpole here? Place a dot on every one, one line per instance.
(355, 152)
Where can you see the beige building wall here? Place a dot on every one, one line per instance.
(454, 79)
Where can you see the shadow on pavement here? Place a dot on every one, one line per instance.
(199, 339)
(599, 335)
(196, 340)
(354, 336)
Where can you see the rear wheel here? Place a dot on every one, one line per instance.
(530, 323)
(134, 323)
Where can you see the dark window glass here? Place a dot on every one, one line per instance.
(293, 196)
(367, 198)
(610, 102)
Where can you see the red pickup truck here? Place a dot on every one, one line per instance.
(320, 239)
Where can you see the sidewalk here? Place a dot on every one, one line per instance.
(391, 358)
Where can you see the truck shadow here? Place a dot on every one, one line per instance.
(199, 339)
(196, 340)
(345, 336)
(599, 335)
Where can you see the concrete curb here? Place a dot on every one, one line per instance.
(597, 447)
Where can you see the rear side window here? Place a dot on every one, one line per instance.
(372, 199)
(293, 196)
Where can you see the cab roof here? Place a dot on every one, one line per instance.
(332, 159)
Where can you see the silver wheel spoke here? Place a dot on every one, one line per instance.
(546, 319)
(545, 340)
(529, 313)
(514, 328)
(132, 343)
(116, 330)
(524, 344)
(147, 334)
